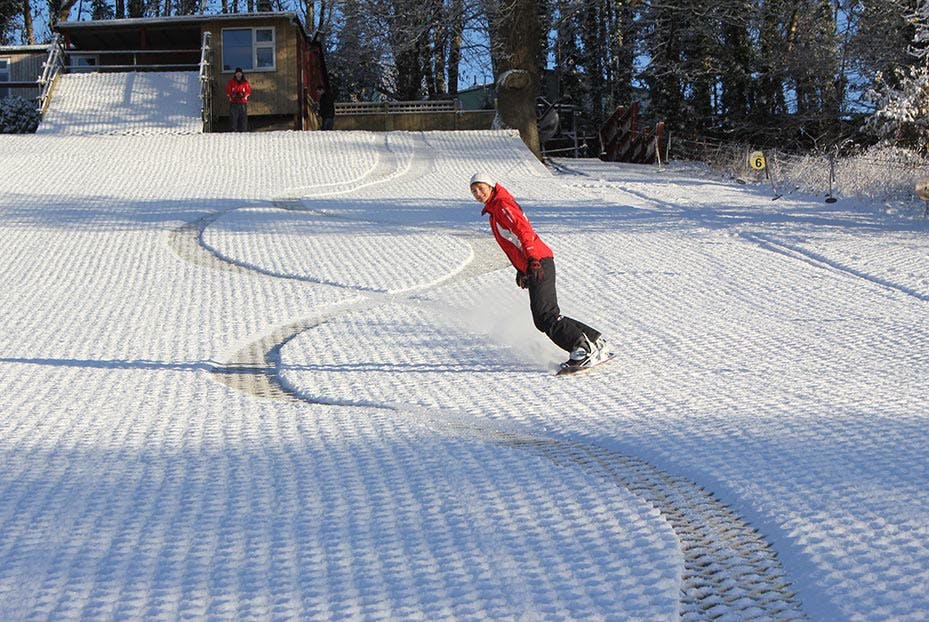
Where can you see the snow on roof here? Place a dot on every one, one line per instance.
(22, 49)
(125, 103)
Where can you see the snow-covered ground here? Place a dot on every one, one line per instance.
(289, 376)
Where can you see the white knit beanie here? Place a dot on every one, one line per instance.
(483, 178)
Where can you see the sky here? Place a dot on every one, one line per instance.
(288, 375)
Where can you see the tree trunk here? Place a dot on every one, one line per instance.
(28, 28)
(58, 12)
(518, 49)
(437, 65)
(454, 61)
(456, 27)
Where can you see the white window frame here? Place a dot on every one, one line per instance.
(5, 90)
(256, 45)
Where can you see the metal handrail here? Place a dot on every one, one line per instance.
(117, 52)
(135, 65)
(52, 66)
(99, 68)
(206, 83)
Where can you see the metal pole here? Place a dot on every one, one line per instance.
(574, 130)
(829, 197)
(658, 152)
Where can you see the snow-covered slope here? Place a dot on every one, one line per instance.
(124, 103)
(289, 376)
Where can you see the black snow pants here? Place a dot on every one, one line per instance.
(565, 332)
(238, 117)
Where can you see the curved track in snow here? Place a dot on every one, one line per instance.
(730, 571)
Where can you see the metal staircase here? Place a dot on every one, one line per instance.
(52, 66)
(206, 82)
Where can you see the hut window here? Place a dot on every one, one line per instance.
(264, 48)
(249, 48)
(4, 77)
(82, 63)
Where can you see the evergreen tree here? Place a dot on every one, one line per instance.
(812, 59)
(594, 51)
(882, 36)
(901, 96)
(10, 14)
(100, 10)
(568, 58)
(663, 44)
(737, 96)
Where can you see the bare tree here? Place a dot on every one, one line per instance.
(419, 43)
(357, 49)
(317, 15)
(454, 29)
(58, 11)
(409, 25)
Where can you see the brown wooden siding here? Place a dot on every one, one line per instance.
(417, 122)
(273, 92)
(25, 67)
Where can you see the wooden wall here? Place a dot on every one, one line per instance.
(416, 122)
(25, 67)
(273, 92)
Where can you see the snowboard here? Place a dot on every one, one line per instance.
(565, 370)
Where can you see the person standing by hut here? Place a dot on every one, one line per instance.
(237, 90)
(327, 107)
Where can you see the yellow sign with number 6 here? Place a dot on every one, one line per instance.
(756, 160)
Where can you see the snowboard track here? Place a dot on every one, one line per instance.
(820, 261)
(730, 571)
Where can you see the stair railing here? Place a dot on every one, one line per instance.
(52, 66)
(206, 83)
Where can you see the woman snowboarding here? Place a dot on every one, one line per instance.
(535, 271)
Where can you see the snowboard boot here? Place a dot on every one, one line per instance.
(586, 353)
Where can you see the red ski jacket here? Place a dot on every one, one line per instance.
(238, 92)
(512, 230)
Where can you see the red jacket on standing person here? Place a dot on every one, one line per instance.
(513, 231)
(238, 91)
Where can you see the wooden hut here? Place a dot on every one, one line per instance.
(20, 68)
(285, 67)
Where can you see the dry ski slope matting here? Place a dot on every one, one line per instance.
(165, 102)
(730, 571)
